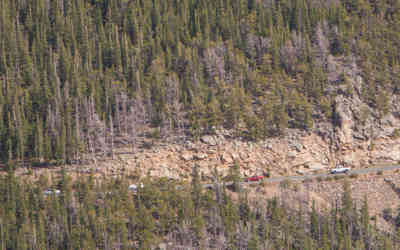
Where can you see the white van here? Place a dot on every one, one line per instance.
(339, 170)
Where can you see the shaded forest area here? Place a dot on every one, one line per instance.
(78, 77)
(93, 215)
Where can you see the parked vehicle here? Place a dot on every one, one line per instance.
(255, 178)
(134, 187)
(50, 192)
(339, 170)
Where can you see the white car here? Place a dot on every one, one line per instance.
(134, 187)
(339, 170)
(50, 192)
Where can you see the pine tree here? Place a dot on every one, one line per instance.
(235, 173)
(365, 218)
(196, 188)
(253, 243)
(315, 229)
(39, 140)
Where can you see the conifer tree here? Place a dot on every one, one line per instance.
(196, 188)
(315, 228)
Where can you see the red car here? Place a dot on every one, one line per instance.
(255, 178)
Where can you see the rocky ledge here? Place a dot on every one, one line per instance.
(298, 152)
(358, 136)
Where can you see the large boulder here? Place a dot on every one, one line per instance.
(208, 139)
(345, 120)
(187, 157)
(298, 146)
(200, 156)
(389, 154)
(291, 154)
(316, 166)
(226, 158)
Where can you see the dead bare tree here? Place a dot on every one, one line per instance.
(321, 43)
(136, 119)
(132, 127)
(88, 138)
(117, 112)
(77, 131)
(96, 130)
(178, 115)
(111, 136)
(175, 109)
(124, 117)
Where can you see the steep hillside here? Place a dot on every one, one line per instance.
(381, 190)
(81, 78)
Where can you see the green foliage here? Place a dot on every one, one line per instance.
(354, 176)
(235, 176)
(397, 219)
(387, 214)
(74, 75)
(285, 184)
(97, 214)
(396, 133)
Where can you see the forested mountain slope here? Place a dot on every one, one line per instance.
(105, 215)
(76, 76)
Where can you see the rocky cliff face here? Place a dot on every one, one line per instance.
(296, 153)
(358, 136)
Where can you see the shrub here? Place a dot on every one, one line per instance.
(296, 187)
(354, 176)
(29, 172)
(285, 184)
(396, 133)
(387, 214)
(379, 172)
(371, 147)
(338, 177)
(253, 184)
(147, 145)
(397, 220)
(156, 133)
(319, 179)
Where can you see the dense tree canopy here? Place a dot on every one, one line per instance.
(76, 74)
(105, 215)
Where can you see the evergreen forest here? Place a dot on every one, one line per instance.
(80, 78)
(77, 77)
(104, 215)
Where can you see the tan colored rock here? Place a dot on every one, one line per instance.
(210, 140)
(349, 159)
(300, 171)
(243, 155)
(390, 154)
(226, 158)
(235, 156)
(187, 157)
(316, 166)
(200, 156)
(203, 164)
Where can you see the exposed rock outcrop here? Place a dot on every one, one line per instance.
(358, 136)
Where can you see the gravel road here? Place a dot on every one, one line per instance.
(312, 176)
